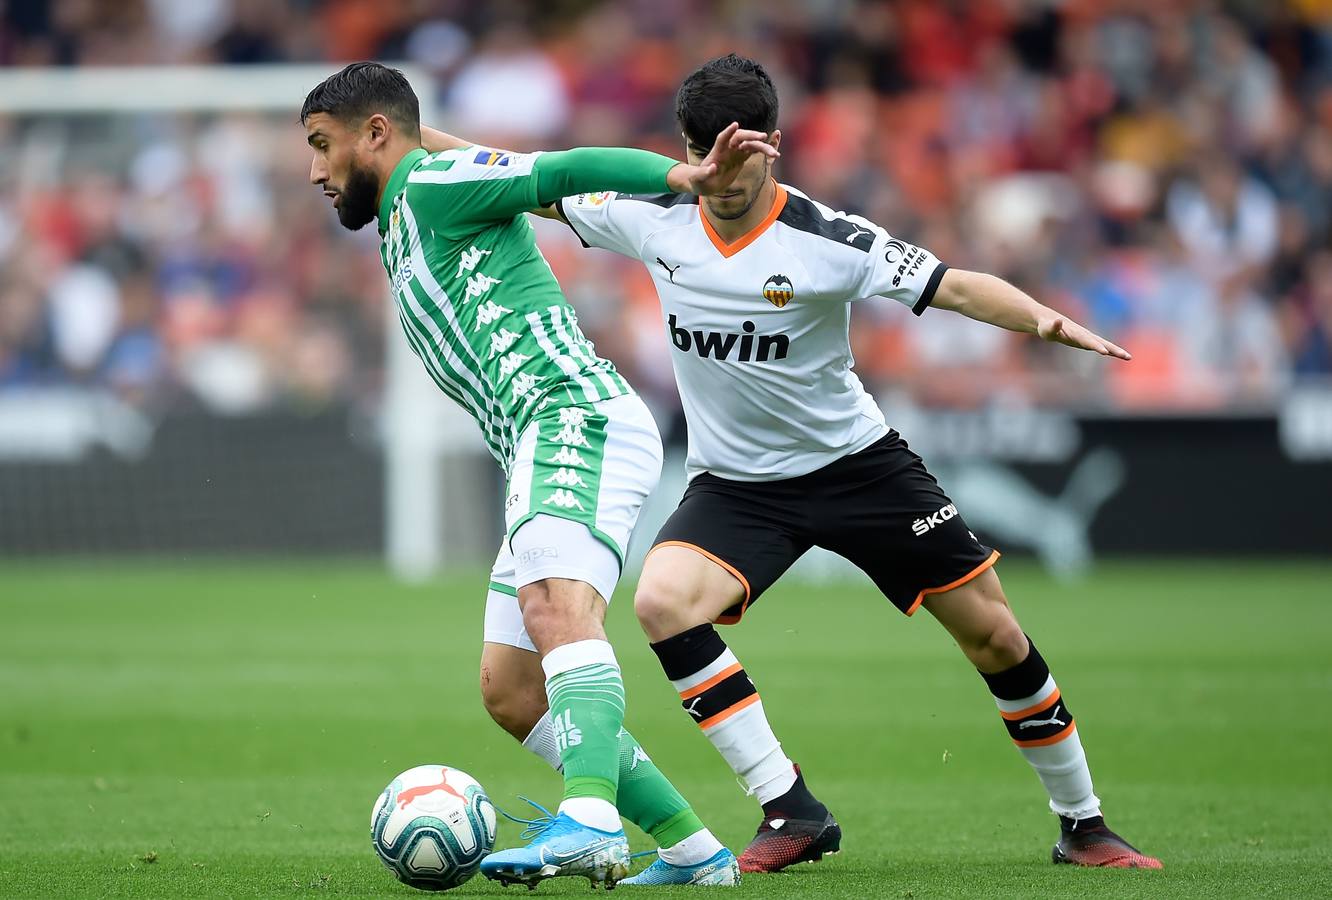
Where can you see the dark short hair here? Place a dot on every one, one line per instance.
(724, 90)
(363, 89)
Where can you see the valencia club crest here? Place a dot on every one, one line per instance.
(778, 291)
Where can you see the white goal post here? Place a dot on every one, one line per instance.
(419, 425)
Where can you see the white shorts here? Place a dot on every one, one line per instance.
(577, 485)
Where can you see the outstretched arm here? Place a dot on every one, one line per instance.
(519, 183)
(993, 300)
(436, 141)
(568, 172)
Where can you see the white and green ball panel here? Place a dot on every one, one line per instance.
(432, 826)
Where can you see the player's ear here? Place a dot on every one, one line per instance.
(775, 138)
(377, 131)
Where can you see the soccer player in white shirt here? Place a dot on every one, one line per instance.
(788, 451)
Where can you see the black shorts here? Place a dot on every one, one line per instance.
(878, 508)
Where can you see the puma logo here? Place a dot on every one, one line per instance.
(411, 794)
(692, 710)
(852, 238)
(661, 262)
(1036, 723)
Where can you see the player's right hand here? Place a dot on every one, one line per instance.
(1063, 330)
(718, 169)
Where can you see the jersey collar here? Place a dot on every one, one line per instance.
(750, 236)
(395, 185)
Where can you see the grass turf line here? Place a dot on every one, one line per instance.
(222, 730)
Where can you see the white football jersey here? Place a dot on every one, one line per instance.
(760, 326)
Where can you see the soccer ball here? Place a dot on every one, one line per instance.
(432, 826)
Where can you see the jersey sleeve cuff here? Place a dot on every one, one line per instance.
(559, 207)
(931, 286)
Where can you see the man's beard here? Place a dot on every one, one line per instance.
(356, 203)
(741, 213)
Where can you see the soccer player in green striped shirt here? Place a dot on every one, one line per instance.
(482, 310)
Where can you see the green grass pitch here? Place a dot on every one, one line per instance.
(222, 730)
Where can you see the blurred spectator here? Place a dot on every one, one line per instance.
(509, 91)
(1163, 170)
(1227, 220)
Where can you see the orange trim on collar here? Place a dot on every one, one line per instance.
(749, 237)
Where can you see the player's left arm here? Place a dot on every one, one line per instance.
(558, 174)
(990, 299)
(436, 141)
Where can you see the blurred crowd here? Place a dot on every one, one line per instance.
(1160, 171)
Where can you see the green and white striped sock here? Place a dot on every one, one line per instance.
(645, 797)
(586, 696)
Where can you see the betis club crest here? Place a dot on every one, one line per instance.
(778, 291)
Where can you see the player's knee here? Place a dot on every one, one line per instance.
(662, 607)
(556, 612)
(1006, 645)
(542, 610)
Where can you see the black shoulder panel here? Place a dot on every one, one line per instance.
(802, 215)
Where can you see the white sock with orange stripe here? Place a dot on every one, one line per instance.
(1040, 724)
(722, 699)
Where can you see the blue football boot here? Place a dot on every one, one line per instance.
(559, 845)
(721, 868)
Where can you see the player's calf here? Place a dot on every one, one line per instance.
(724, 703)
(1036, 716)
(512, 688)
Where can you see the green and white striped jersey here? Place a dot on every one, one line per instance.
(477, 300)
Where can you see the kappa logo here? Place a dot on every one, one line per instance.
(478, 284)
(502, 341)
(639, 756)
(469, 259)
(510, 363)
(523, 384)
(564, 499)
(933, 520)
(489, 313)
(778, 290)
(572, 415)
(571, 436)
(568, 456)
(567, 477)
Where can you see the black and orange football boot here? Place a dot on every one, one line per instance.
(1088, 842)
(795, 828)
